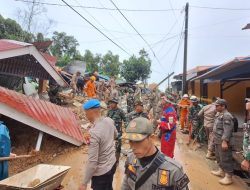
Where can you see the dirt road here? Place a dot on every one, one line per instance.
(194, 163)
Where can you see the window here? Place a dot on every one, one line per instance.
(204, 90)
(248, 92)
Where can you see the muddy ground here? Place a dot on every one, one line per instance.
(57, 152)
(194, 163)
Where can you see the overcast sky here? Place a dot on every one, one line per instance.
(215, 35)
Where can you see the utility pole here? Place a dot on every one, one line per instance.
(184, 77)
(168, 83)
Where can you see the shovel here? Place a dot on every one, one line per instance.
(16, 157)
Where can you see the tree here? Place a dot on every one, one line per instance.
(92, 61)
(135, 69)
(111, 64)
(64, 45)
(29, 17)
(10, 29)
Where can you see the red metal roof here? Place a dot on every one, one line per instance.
(57, 117)
(11, 44)
(51, 59)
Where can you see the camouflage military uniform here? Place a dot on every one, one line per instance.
(118, 116)
(223, 131)
(246, 142)
(153, 100)
(130, 103)
(196, 123)
(169, 175)
(132, 115)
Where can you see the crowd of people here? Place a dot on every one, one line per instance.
(147, 166)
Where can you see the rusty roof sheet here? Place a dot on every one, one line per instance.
(54, 116)
(12, 44)
(51, 59)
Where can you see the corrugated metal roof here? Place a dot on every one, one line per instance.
(228, 68)
(54, 116)
(23, 59)
(51, 59)
(11, 44)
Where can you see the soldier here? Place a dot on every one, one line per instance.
(118, 116)
(146, 167)
(153, 100)
(223, 132)
(138, 112)
(130, 101)
(246, 148)
(208, 112)
(74, 80)
(195, 122)
(245, 165)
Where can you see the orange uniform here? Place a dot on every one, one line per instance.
(184, 104)
(90, 89)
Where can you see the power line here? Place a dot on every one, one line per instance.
(137, 33)
(138, 10)
(163, 39)
(101, 8)
(221, 8)
(101, 25)
(95, 27)
(116, 20)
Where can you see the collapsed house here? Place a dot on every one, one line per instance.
(19, 60)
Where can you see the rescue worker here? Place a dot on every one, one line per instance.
(153, 100)
(167, 125)
(137, 94)
(90, 88)
(5, 150)
(74, 80)
(130, 101)
(146, 167)
(184, 105)
(246, 148)
(118, 117)
(106, 94)
(114, 93)
(138, 112)
(101, 164)
(159, 107)
(101, 89)
(223, 132)
(195, 131)
(245, 165)
(208, 113)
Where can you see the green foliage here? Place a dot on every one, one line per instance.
(10, 29)
(64, 45)
(111, 64)
(91, 61)
(136, 69)
(63, 61)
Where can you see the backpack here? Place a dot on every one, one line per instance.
(4, 150)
